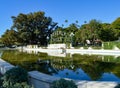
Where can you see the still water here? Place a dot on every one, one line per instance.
(76, 66)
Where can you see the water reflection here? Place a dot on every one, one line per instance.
(52, 52)
(76, 66)
(64, 53)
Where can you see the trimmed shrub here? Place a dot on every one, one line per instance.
(62, 83)
(13, 76)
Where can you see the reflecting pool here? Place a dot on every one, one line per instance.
(75, 66)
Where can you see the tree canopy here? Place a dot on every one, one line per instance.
(9, 37)
(36, 28)
(32, 28)
(116, 24)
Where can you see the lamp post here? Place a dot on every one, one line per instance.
(71, 35)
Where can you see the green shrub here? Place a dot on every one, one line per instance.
(13, 76)
(108, 45)
(118, 44)
(18, 85)
(62, 83)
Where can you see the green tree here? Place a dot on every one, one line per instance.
(0, 40)
(80, 36)
(57, 36)
(33, 28)
(116, 24)
(89, 31)
(71, 29)
(62, 83)
(9, 37)
(94, 27)
(107, 33)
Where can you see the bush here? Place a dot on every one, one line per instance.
(13, 76)
(18, 85)
(62, 83)
(108, 45)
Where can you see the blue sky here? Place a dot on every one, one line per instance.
(60, 10)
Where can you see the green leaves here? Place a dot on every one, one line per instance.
(116, 24)
(14, 76)
(32, 28)
(62, 83)
(9, 38)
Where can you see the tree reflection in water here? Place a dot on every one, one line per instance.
(87, 67)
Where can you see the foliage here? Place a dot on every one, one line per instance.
(72, 28)
(117, 44)
(108, 45)
(57, 36)
(0, 40)
(111, 45)
(36, 28)
(62, 35)
(116, 24)
(32, 28)
(9, 37)
(13, 76)
(17, 85)
(107, 33)
(62, 83)
(88, 31)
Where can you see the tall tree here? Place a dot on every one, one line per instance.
(33, 28)
(89, 31)
(94, 27)
(72, 29)
(107, 33)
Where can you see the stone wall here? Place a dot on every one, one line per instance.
(4, 66)
(40, 80)
(56, 46)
